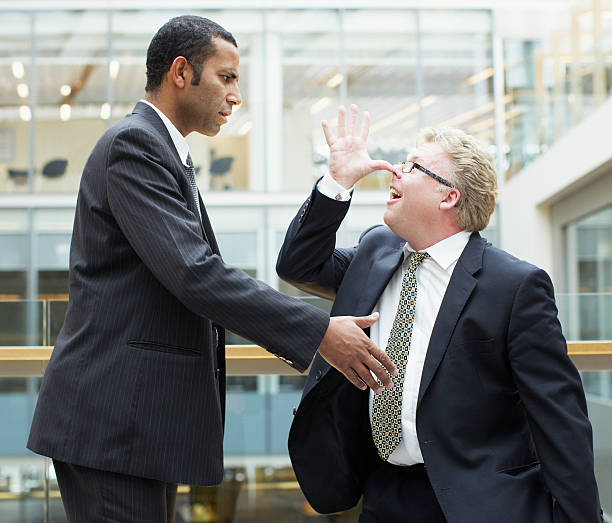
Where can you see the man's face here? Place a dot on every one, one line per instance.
(414, 202)
(206, 106)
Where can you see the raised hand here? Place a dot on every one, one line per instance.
(347, 348)
(349, 160)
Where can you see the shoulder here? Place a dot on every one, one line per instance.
(509, 271)
(495, 258)
(379, 233)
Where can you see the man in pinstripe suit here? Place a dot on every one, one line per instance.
(132, 401)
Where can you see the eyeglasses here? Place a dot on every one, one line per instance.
(408, 166)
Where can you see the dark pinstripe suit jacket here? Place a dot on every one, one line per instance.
(136, 382)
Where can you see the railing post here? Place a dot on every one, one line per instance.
(47, 462)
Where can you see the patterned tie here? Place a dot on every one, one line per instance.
(190, 172)
(387, 406)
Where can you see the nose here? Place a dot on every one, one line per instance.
(397, 170)
(234, 97)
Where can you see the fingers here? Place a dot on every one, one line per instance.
(354, 378)
(381, 374)
(341, 121)
(329, 138)
(364, 322)
(354, 116)
(366, 377)
(381, 165)
(382, 358)
(365, 125)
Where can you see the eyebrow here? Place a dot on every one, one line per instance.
(233, 74)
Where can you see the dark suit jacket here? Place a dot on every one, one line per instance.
(136, 382)
(501, 415)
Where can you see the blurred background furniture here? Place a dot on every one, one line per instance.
(55, 168)
(219, 171)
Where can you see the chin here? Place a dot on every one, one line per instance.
(393, 225)
(210, 132)
(388, 219)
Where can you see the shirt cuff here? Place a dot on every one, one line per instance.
(329, 187)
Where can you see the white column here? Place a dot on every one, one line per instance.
(256, 103)
(266, 108)
(273, 110)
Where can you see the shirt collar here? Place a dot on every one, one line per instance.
(182, 147)
(445, 252)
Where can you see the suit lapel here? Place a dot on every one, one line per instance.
(460, 288)
(387, 261)
(207, 229)
(153, 118)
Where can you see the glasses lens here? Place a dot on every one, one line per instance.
(407, 167)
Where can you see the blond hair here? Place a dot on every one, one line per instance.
(474, 174)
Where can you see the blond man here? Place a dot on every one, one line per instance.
(486, 421)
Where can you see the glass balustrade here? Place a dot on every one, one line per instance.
(259, 484)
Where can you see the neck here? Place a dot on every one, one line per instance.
(165, 105)
(421, 242)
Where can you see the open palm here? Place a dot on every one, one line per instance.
(349, 160)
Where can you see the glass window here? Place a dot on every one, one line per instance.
(15, 110)
(306, 89)
(588, 307)
(15, 249)
(382, 71)
(71, 72)
(458, 71)
(526, 132)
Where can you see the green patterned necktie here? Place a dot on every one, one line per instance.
(387, 406)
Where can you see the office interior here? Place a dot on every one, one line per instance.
(532, 80)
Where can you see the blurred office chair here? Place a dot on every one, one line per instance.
(55, 168)
(219, 170)
(18, 175)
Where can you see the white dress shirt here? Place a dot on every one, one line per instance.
(180, 142)
(432, 276)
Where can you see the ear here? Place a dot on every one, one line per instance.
(450, 200)
(180, 72)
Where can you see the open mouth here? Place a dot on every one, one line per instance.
(395, 194)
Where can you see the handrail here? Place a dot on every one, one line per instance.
(251, 360)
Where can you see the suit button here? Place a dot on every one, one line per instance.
(218, 373)
(294, 411)
(318, 375)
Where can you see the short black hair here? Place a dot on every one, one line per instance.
(188, 36)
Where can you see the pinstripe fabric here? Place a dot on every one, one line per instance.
(94, 496)
(136, 383)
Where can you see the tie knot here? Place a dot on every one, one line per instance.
(416, 258)
(189, 161)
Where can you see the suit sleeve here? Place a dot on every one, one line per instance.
(551, 390)
(146, 201)
(308, 258)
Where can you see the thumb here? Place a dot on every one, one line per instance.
(381, 165)
(365, 321)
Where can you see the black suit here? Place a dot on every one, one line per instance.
(136, 382)
(501, 414)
